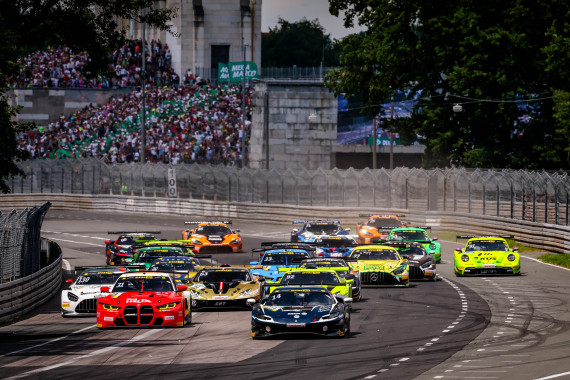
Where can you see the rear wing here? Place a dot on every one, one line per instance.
(103, 268)
(288, 245)
(134, 232)
(422, 227)
(160, 243)
(208, 221)
(483, 236)
(316, 221)
(136, 267)
(380, 215)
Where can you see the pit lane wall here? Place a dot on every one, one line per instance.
(21, 296)
(550, 237)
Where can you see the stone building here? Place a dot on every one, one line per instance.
(211, 31)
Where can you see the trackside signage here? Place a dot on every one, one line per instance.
(171, 183)
(233, 71)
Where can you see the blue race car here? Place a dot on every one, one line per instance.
(313, 229)
(300, 309)
(180, 267)
(274, 259)
(334, 246)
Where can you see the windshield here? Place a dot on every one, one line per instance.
(365, 254)
(177, 265)
(213, 230)
(222, 276)
(323, 263)
(148, 256)
(308, 298)
(409, 235)
(317, 278)
(486, 246)
(413, 250)
(97, 278)
(143, 284)
(131, 239)
(384, 222)
(283, 258)
(322, 229)
(335, 242)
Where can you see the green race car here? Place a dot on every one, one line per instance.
(419, 235)
(486, 255)
(144, 257)
(328, 278)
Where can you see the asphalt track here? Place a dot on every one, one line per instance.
(457, 328)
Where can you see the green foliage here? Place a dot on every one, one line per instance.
(562, 259)
(29, 25)
(499, 60)
(302, 43)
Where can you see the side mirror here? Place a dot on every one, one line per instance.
(253, 263)
(434, 238)
(350, 281)
(69, 281)
(181, 288)
(238, 230)
(457, 249)
(515, 248)
(250, 302)
(105, 289)
(347, 229)
(128, 261)
(347, 300)
(107, 241)
(295, 230)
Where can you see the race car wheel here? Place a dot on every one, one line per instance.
(188, 318)
(346, 326)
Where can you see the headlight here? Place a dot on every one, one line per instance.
(259, 315)
(166, 306)
(106, 306)
(195, 293)
(72, 297)
(433, 246)
(196, 241)
(235, 241)
(399, 270)
(465, 258)
(248, 292)
(427, 264)
(511, 257)
(365, 232)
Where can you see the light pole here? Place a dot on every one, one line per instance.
(243, 114)
(374, 137)
(143, 116)
(392, 132)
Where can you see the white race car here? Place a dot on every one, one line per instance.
(81, 297)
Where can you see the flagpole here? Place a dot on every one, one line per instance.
(243, 114)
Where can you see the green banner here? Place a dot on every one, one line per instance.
(223, 72)
(236, 70)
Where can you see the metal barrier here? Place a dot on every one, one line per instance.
(516, 194)
(20, 250)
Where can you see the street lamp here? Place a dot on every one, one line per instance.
(457, 108)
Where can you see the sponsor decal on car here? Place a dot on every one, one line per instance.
(137, 300)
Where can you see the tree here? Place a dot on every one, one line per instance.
(490, 57)
(302, 43)
(85, 25)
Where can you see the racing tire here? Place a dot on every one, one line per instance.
(346, 326)
(188, 318)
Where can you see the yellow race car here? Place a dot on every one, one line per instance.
(213, 237)
(379, 265)
(486, 255)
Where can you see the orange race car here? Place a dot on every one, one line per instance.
(377, 227)
(213, 237)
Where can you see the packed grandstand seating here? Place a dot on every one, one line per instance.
(192, 121)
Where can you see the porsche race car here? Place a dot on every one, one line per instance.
(213, 237)
(419, 235)
(303, 309)
(144, 299)
(486, 255)
(81, 297)
(379, 265)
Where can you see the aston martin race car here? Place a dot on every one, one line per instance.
(486, 255)
(145, 256)
(313, 229)
(187, 248)
(305, 309)
(328, 278)
(224, 286)
(379, 265)
(213, 237)
(144, 299)
(181, 268)
(419, 235)
(342, 269)
(120, 249)
(422, 264)
(377, 227)
(334, 246)
(275, 259)
(81, 297)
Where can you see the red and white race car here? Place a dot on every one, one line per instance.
(144, 299)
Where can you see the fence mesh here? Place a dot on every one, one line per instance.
(528, 195)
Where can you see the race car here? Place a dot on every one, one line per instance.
(341, 268)
(145, 256)
(224, 286)
(325, 277)
(377, 227)
(181, 268)
(275, 259)
(303, 309)
(419, 235)
(122, 247)
(213, 237)
(379, 265)
(144, 299)
(187, 248)
(334, 246)
(485, 255)
(312, 229)
(81, 297)
(422, 264)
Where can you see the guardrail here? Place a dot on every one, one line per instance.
(550, 237)
(23, 295)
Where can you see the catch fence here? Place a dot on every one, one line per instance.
(516, 194)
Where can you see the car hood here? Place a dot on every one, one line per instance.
(366, 265)
(87, 289)
(297, 314)
(139, 298)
